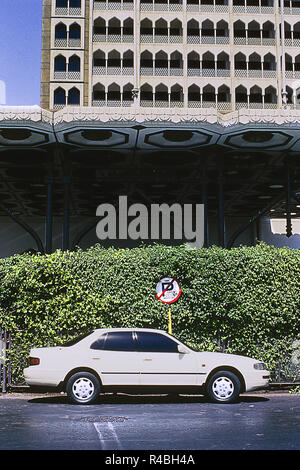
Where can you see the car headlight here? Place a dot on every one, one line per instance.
(260, 366)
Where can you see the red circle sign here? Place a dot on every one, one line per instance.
(168, 290)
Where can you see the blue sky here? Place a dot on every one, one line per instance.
(20, 50)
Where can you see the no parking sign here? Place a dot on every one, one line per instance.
(168, 291)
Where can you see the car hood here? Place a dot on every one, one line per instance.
(226, 358)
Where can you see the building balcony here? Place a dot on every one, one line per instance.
(103, 5)
(65, 11)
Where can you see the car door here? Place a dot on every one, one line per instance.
(162, 364)
(115, 358)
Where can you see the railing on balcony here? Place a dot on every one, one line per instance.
(67, 42)
(115, 37)
(110, 5)
(68, 11)
(65, 75)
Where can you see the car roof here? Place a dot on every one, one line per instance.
(130, 329)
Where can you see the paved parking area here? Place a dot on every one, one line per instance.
(265, 421)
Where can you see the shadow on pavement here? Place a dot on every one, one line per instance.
(118, 399)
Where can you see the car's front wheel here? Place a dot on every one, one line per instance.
(223, 387)
(83, 388)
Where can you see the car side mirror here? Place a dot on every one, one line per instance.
(182, 350)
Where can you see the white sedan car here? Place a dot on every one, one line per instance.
(141, 360)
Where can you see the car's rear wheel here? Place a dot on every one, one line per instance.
(83, 388)
(223, 387)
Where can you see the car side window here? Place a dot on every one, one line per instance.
(155, 342)
(99, 343)
(118, 341)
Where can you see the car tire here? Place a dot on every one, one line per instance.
(223, 387)
(83, 388)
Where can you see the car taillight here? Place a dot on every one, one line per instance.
(34, 361)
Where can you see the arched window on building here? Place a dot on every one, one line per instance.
(99, 26)
(241, 95)
(146, 28)
(74, 31)
(161, 61)
(270, 95)
(128, 27)
(128, 59)
(146, 61)
(208, 62)
(161, 27)
(176, 95)
(74, 64)
(114, 27)
(161, 94)
(127, 93)
(194, 94)
(60, 31)
(98, 94)
(74, 97)
(207, 28)
(224, 94)
(269, 62)
(59, 97)
(240, 61)
(239, 29)
(209, 93)
(255, 95)
(114, 59)
(254, 61)
(60, 63)
(114, 93)
(146, 95)
(193, 28)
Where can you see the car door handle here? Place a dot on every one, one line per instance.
(96, 358)
(147, 359)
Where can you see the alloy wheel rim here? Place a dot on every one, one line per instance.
(83, 388)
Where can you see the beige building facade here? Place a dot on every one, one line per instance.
(170, 53)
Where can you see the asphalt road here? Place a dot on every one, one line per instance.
(120, 422)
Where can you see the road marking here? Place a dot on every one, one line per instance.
(107, 432)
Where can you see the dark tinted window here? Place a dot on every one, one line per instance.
(98, 344)
(154, 342)
(119, 341)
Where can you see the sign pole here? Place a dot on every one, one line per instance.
(168, 291)
(170, 323)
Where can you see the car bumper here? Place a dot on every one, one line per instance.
(36, 376)
(258, 381)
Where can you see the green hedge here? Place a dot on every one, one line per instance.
(246, 299)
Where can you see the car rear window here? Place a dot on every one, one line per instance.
(116, 341)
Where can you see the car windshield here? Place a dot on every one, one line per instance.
(73, 341)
